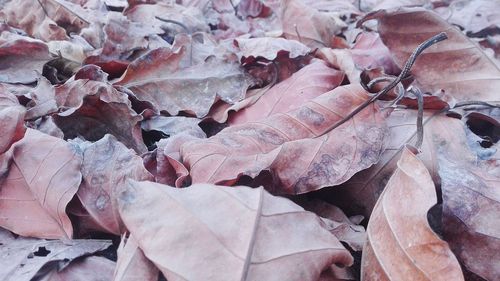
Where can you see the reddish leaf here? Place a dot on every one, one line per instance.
(21, 61)
(11, 120)
(22, 258)
(107, 164)
(45, 19)
(307, 25)
(43, 177)
(92, 109)
(400, 243)
(240, 237)
(369, 52)
(326, 157)
(306, 84)
(132, 264)
(156, 78)
(457, 66)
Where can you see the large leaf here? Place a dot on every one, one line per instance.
(43, 177)
(157, 78)
(470, 183)
(21, 258)
(400, 243)
(21, 61)
(269, 48)
(236, 233)
(107, 163)
(304, 85)
(297, 147)
(457, 65)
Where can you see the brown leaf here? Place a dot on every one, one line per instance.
(360, 193)
(239, 233)
(456, 65)
(337, 222)
(45, 19)
(173, 125)
(400, 243)
(369, 52)
(474, 16)
(43, 100)
(92, 109)
(470, 177)
(132, 264)
(11, 120)
(21, 258)
(43, 177)
(306, 84)
(274, 144)
(307, 25)
(107, 164)
(21, 61)
(269, 48)
(156, 78)
(93, 268)
(191, 17)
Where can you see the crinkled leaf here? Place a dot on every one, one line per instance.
(21, 258)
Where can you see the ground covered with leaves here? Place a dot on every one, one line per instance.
(249, 140)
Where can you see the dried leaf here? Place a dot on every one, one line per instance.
(470, 177)
(11, 120)
(92, 109)
(474, 16)
(43, 177)
(307, 25)
(22, 258)
(45, 19)
(132, 264)
(21, 61)
(246, 243)
(156, 78)
(456, 65)
(306, 84)
(173, 125)
(400, 243)
(270, 48)
(93, 268)
(107, 164)
(274, 144)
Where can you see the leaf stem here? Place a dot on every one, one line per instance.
(406, 70)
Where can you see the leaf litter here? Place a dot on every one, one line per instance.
(249, 140)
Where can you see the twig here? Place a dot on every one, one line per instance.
(406, 70)
(234, 8)
(175, 22)
(420, 117)
(43, 8)
(466, 103)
